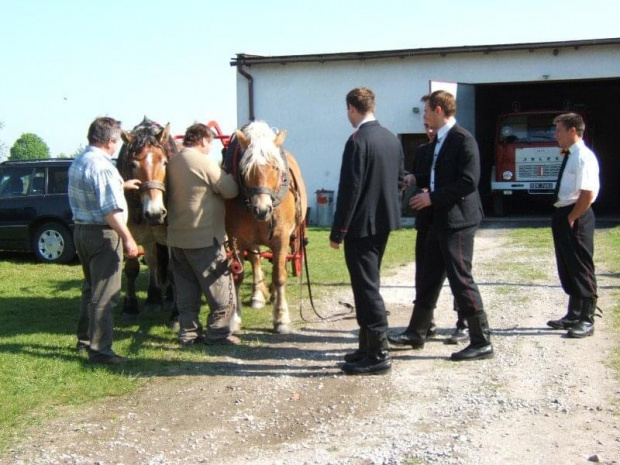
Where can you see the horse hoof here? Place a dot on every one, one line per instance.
(175, 325)
(257, 304)
(282, 328)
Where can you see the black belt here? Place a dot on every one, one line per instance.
(93, 226)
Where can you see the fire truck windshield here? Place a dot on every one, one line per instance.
(527, 128)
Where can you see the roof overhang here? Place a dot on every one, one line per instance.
(249, 60)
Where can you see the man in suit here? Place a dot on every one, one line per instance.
(456, 215)
(418, 179)
(367, 209)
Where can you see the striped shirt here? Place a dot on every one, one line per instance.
(95, 187)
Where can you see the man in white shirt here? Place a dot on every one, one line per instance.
(573, 226)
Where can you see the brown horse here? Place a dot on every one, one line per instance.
(144, 156)
(271, 205)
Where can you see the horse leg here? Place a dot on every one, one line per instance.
(259, 289)
(281, 317)
(235, 320)
(153, 294)
(130, 303)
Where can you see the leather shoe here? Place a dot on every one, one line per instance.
(354, 357)
(107, 359)
(562, 323)
(473, 352)
(581, 330)
(371, 364)
(459, 335)
(406, 339)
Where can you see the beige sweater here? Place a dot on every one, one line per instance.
(197, 187)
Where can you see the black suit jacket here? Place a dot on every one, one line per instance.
(421, 169)
(371, 177)
(455, 199)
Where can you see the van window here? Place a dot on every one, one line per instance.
(58, 182)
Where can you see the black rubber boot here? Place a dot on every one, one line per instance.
(417, 331)
(480, 339)
(460, 333)
(377, 359)
(585, 326)
(572, 316)
(361, 352)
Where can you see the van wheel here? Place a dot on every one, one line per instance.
(53, 243)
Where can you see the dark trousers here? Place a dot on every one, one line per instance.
(574, 249)
(363, 257)
(101, 255)
(203, 271)
(448, 253)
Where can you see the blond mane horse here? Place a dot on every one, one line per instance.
(272, 204)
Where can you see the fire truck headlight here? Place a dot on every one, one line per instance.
(507, 175)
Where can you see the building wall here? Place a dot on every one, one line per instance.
(307, 99)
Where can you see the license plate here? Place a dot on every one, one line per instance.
(541, 185)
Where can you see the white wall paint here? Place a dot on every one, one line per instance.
(307, 99)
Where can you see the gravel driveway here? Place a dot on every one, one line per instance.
(543, 399)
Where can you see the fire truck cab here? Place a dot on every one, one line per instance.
(527, 156)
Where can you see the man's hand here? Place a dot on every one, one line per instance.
(420, 201)
(334, 245)
(132, 185)
(408, 181)
(131, 248)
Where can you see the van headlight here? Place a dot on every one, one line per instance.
(507, 175)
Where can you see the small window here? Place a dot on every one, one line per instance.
(38, 182)
(14, 183)
(58, 180)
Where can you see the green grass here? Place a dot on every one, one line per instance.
(607, 250)
(40, 369)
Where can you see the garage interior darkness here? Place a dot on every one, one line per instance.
(599, 102)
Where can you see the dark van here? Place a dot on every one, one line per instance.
(34, 209)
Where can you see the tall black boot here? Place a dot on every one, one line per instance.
(416, 332)
(572, 316)
(460, 333)
(585, 326)
(480, 339)
(377, 359)
(361, 352)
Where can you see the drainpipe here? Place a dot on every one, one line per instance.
(250, 79)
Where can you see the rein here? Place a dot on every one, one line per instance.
(277, 196)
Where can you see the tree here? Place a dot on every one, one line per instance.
(29, 146)
(2, 144)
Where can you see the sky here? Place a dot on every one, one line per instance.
(65, 62)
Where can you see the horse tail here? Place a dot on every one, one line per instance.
(163, 262)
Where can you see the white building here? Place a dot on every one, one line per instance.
(305, 94)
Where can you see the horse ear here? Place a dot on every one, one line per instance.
(280, 138)
(163, 136)
(127, 137)
(243, 141)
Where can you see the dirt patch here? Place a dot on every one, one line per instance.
(543, 398)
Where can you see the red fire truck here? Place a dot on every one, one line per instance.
(527, 157)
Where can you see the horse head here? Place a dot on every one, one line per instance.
(144, 156)
(264, 176)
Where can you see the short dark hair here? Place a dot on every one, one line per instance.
(102, 130)
(195, 133)
(362, 99)
(443, 99)
(571, 120)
